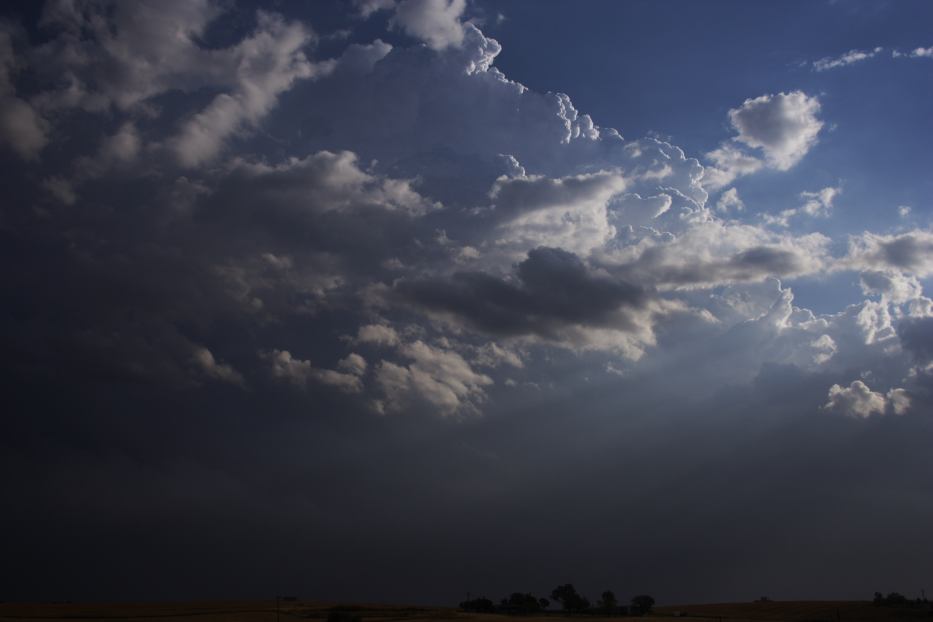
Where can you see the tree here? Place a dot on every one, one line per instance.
(608, 602)
(642, 604)
(569, 599)
(544, 603)
(521, 603)
(894, 599)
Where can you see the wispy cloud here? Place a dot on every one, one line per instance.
(849, 58)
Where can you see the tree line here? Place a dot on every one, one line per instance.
(896, 599)
(569, 599)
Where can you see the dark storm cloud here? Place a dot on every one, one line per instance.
(916, 335)
(326, 204)
(554, 288)
(143, 275)
(294, 494)
(100, 294)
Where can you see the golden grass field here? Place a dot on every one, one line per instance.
(265, 611)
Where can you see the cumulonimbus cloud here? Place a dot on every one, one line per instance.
(438, 191)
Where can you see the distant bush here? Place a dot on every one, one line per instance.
(343, 616)
(642, 604)
(572, 602)
(893, 599)
(520, 603)
(478, 605)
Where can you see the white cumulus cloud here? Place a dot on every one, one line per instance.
(436, 22)
(784, 126)
(857, 400)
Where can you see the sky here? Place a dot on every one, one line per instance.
(397, 300)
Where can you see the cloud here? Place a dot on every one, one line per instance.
(569, 212)
(118, 151)
(207, 364)
(269, 287)
(556, 298)
(895, 286)
(353, 364)
(416, 103)
(436, 22)
(325, 182)
(110, 55)
(857, 400)
(123, 146)
(286, 368)
(423, 197)
(492, 355)
(815, 204)
(916, 334)
(61, 189)
(635, 211)
(922, 52)
(368, 7)
(730, 201)
(713, 253)
(825, 348)
(911, 252)
(899, 401)
(267, 64)
(849, 58)
(784, 126)
(729, 163)
(378, 334)
(435, 376)
(22, 128)
(513, 196)
(819, 203)
(542, 209)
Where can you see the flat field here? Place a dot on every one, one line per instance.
(803, 611)
(265, 611)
